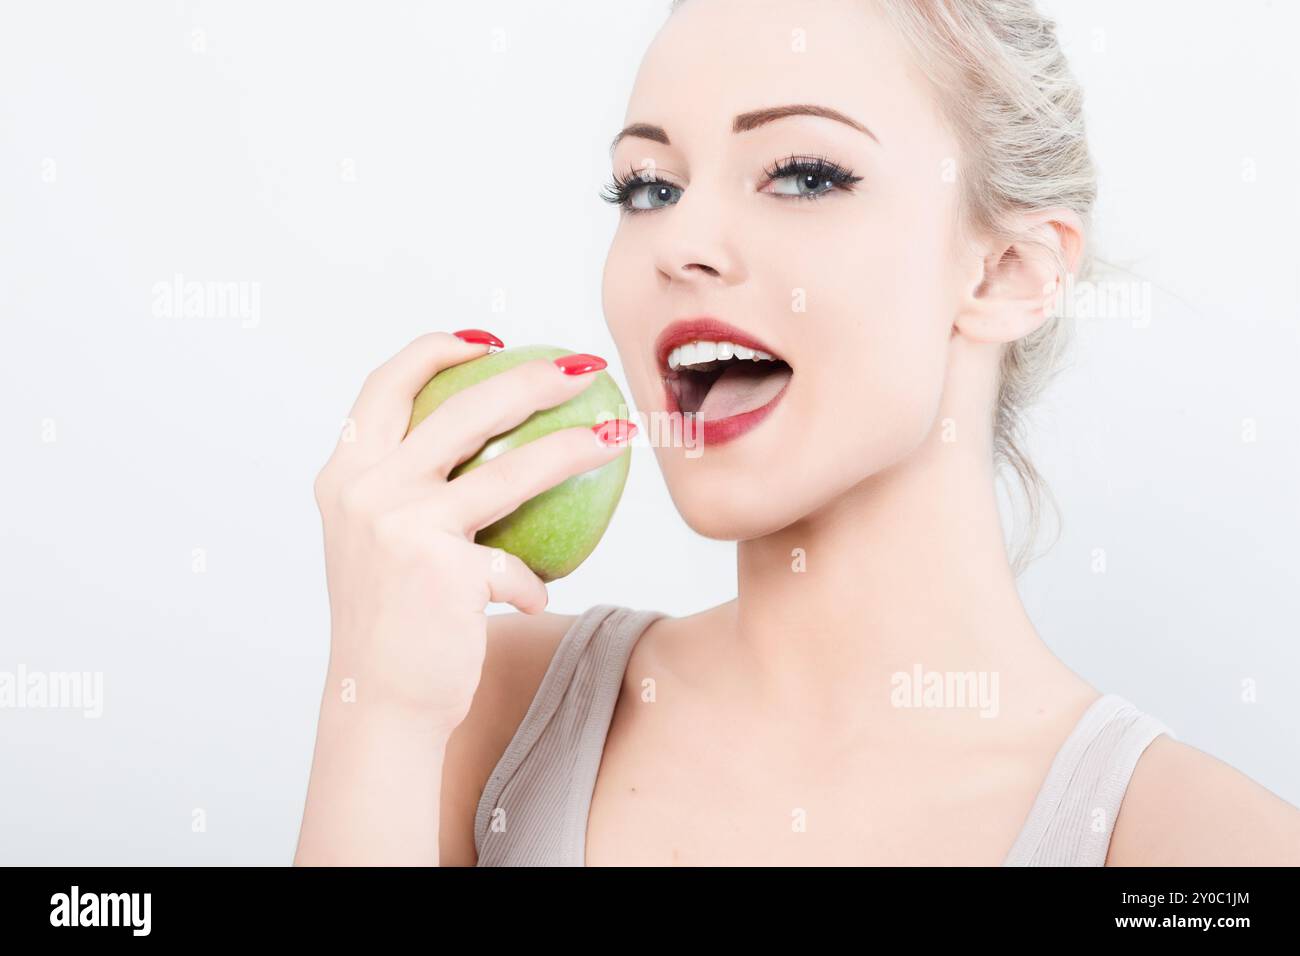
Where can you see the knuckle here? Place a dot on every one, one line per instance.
(456, 404)
(543, 374)
(325, 486)
(577, 445)
(321, 492)
(353, 499)
(523, 384)
(579, 440)
(427, 342)
(436, 337)
(504, 473)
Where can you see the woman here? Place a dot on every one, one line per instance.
(883, 197)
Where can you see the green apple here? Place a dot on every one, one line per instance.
(554, 531)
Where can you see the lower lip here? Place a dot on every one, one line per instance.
(719, 431)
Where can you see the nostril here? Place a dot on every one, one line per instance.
(707, 270)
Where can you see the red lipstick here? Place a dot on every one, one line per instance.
(722, 430)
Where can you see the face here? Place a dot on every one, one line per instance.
(831, 240)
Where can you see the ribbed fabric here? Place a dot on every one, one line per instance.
(1074, 813)
(533, 809)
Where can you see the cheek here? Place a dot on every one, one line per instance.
(630, 314)
(878, 322)
(617, 290)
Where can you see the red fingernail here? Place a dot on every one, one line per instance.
(580, 364)
(479, 337)
(616, 431)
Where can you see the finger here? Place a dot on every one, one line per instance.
(382, 411)
(494, 574)
(510, 581)
(497, 487)
(467, 420)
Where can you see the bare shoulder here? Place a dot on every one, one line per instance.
(1184, 807)
(519, 650)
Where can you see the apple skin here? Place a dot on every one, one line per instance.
(555, 531)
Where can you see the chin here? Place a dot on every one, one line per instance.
(726, 510)
(729, 527)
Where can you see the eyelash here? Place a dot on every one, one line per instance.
(619, 190)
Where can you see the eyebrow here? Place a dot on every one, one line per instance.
(745, 122)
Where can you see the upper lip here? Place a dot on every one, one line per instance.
(709, 329)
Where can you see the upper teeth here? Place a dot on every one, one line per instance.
(700, 352)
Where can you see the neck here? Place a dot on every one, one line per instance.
(905, 574)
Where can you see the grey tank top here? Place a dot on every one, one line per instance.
(533, 809)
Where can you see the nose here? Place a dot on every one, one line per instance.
(697, 243)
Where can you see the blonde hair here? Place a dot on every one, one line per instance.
(1009, 97)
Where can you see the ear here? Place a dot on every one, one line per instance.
(1017, 282)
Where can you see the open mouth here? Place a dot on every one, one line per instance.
(719, 380)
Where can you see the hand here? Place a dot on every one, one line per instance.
(408, 586)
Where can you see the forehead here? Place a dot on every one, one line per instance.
(716, 59)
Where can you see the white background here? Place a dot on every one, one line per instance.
(379, 170)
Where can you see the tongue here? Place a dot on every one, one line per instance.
(743, 387)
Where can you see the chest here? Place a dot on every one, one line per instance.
(691, 792)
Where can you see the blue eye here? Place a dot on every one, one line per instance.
(801, 181)
(815, 174)
(813, 177)
(652, 195)
(637, 194)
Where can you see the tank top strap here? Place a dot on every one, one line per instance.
(1073, 815)
(533, 809)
